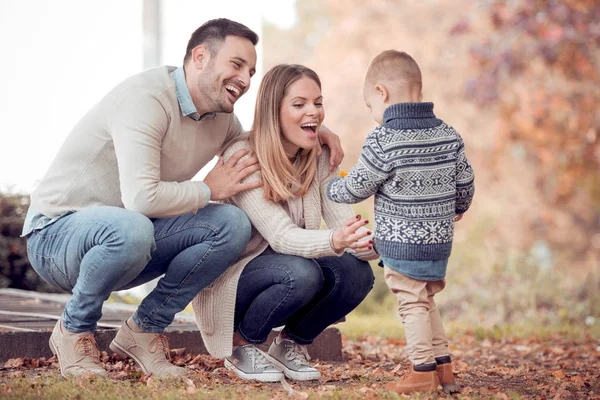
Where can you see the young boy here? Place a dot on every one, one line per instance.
(416, 167)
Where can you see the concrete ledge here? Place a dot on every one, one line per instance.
(327, 346)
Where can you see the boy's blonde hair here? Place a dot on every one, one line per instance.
(392, 66)
(282, 179)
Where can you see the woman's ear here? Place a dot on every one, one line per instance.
(382, 91)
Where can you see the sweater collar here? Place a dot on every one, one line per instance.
(410, 116)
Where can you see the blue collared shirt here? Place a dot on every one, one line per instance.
(35, 221)
(184, 98)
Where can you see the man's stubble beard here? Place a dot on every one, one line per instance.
(212, 90)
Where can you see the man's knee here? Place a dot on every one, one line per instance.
(133, 234)
(236, 225)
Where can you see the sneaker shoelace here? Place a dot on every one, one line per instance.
(259, 361)
(89, 348)
(297, 354)
(160, 342)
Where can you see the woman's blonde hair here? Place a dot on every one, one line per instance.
(282, 178)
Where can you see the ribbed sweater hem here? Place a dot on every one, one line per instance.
(416, 252)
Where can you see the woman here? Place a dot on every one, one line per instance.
(292, 273)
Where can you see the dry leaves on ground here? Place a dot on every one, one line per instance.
(532, 368)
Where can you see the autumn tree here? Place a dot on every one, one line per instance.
(540, 68)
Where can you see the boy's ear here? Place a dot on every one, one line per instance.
(382, 91)
(200, 57)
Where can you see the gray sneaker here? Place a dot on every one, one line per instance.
(292, 359)
(248, 362)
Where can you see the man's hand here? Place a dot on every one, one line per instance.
(333, 141)
(458, 217)
(224, 180)
(347, 237)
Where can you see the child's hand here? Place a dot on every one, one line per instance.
(458, 217)
(347, 237)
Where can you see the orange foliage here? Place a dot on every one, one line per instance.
(541, 68)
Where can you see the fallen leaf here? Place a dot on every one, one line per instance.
(144, 378)
(578, 381)
(177, 352)
(396, 368)
(190, 389)
(14, 363)
(286, 386)
(562, 393)
(151, 383)
(559, 374)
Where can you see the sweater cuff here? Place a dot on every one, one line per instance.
(204, 200)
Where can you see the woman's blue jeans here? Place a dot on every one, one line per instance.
(305, 295)
(96, 251)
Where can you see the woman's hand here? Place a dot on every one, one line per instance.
(347, 237)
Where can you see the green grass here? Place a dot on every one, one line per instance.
(358, 325)
(56, 387)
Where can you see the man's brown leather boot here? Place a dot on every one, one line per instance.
(421, 378)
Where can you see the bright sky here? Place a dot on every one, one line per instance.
(60, 57)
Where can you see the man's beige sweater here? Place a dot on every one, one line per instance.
(214, 306)
(136, 150)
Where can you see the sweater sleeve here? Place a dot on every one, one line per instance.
(235, 132)
(364, 179)
(138, 127)
(274, 224)
(465, 180)
(335, 214)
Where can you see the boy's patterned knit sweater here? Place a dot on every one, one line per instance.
(416, 167)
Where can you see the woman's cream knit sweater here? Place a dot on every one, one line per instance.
(214, 307)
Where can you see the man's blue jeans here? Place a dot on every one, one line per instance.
(96, 251)
(305, 295)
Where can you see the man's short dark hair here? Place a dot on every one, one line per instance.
(212, 34)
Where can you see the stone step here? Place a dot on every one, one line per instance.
(27, 319)
(327, 346)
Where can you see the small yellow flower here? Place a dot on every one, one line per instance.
(342, 173)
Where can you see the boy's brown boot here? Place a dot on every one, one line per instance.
(445, 374)
(421, 378)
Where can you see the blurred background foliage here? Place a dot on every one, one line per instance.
(520, 80)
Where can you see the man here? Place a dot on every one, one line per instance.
(117, 207)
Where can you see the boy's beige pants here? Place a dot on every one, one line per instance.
(425, 337)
